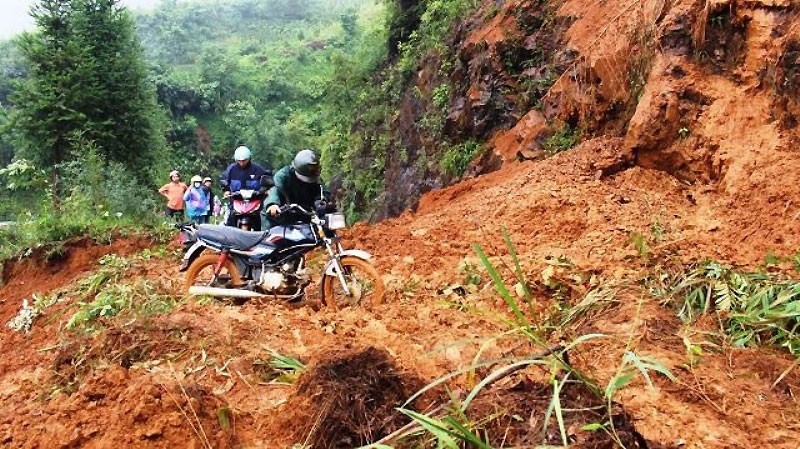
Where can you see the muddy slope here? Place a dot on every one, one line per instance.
(704, 91)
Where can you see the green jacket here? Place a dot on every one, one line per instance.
(289, 189)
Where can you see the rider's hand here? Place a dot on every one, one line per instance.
(274, 210)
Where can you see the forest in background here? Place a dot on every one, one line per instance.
(277, 76)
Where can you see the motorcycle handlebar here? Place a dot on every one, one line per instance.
(257, 194)
(185, 226)
(295, 207)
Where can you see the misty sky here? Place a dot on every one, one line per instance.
(14, 16)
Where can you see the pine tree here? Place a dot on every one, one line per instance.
(87, 83)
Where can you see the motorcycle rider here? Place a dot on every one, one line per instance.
(242, 174)
(298, 183)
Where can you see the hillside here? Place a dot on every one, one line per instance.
(656, 137)
(668, 81)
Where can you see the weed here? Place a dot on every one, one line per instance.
(469, 273)
(141, 297)
(458, 157)
(112, 267)
(44, 302)
(563, 139)
(441, 96)
(754, 308)
(491, 11)
(536, 87)
(280, 368)
(657, 231)
(639, 242)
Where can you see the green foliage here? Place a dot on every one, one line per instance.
(458, 157)
(537, 87)
(280, 368)
(112, 267)
(441, 96)
(449, 433)
(755, 308)
(258, 73)
(86, 82)
(97, 199)
(140, 298)
(563, 139)
(640, 242)
(626, 371)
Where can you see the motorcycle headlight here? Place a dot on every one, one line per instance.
(335, 221)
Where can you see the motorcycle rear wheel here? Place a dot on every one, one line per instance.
(363, 280)
(201, 272)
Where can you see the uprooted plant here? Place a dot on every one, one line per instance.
(753, 308)
(140, 297)
(562, 402)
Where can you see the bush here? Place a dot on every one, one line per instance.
(564, 138)
(458, 157)
(93, 198)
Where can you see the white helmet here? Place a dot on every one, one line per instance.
(242, 154)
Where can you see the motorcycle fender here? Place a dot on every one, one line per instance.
(357, 253)
(191, 255)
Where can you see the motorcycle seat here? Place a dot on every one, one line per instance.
(229, 237)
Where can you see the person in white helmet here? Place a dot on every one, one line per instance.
(243, 174)
(197, 201)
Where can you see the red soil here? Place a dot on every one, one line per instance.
(726, 188)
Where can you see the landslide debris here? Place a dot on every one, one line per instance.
(349, 399)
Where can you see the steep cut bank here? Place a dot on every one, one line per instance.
(704, 91)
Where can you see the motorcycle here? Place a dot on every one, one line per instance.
(246, 207)
(246, 203)
(229, 262)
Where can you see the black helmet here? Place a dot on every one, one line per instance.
(306, 166)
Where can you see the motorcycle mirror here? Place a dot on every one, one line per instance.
(266, 181)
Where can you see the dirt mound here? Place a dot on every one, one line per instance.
(117, 407)
(117, 345)
(349, 399)
(47, 268)
(515, 414)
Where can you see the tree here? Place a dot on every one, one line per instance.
(87, 83)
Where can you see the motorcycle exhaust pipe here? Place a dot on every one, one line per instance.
(197, 290)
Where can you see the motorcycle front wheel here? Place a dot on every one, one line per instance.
(363, 280)
(201, 273)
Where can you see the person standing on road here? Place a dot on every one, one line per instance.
(214, 204)
(243, 174)
(173, 191)
(197, 201)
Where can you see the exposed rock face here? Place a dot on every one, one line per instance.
(705, 91)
